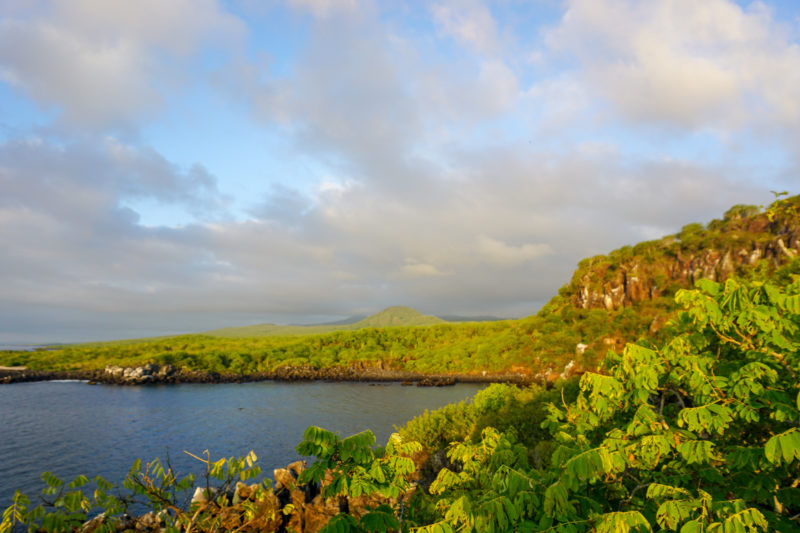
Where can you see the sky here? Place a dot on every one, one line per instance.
(176, 166)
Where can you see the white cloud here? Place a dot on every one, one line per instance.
(695, 65)
(324, 8)
(472, 247)
(556, 103)
(177, 26)
(104, 63)
(497, 88)
(501, 254)
(92, 84)
(415, 269)
(468, 21)
(460, 181)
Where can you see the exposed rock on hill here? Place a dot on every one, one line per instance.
(743, 238)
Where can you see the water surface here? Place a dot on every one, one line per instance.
(72, 428)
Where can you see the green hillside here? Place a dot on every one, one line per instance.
(391, 316)
(625, 296)
(398, 316)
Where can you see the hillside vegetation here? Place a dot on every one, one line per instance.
(391, 316)
(625, 296)
(398, 316)
(699, 434)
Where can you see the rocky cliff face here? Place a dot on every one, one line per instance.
(726, 247)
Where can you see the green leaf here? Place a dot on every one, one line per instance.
(697, 451)
(791, 304)
(746, 521)
(660, 492)
(376, 472)
(693, 526)
(784, 447)
(622, 522)
(51, 480)
(713, 418)
(589, 465)
(78, 482)
(380, 520)
(709, 287)
(672, 513)
(341, 523)
(445, 480)
(556, 502)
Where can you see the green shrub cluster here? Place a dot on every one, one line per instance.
(537, 344)
(508, 408)
(701, 434)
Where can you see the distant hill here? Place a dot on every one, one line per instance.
(344, 322)
(624, 296)
(398, 316)
(391, 316)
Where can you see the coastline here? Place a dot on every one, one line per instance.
(166, 375)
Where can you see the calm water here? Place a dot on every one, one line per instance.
(17, 347)
(73, 428)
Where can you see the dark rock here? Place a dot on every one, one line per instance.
(438, 381)
(155, 374)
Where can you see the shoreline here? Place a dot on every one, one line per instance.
(152, 374)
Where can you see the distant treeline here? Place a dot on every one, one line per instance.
(538, 343)
(623, 297)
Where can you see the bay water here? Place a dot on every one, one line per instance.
(71, 428)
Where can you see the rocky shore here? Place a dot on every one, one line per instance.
(165, 374)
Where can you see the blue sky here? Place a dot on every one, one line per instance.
(177, 166)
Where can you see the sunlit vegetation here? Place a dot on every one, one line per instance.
(700, 433)
(694, 428)
(508, 408)
(538, 345)
(745, 234)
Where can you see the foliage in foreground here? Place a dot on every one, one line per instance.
(344, 469)
(700, 434)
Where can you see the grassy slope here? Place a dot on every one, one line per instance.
(398, 316)
(543, 343)
(392, 316)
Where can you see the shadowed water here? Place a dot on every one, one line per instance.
(71, 428)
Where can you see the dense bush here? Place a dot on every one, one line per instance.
(700, 434)
(537, 344)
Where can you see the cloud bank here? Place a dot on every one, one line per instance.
(458, 157)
